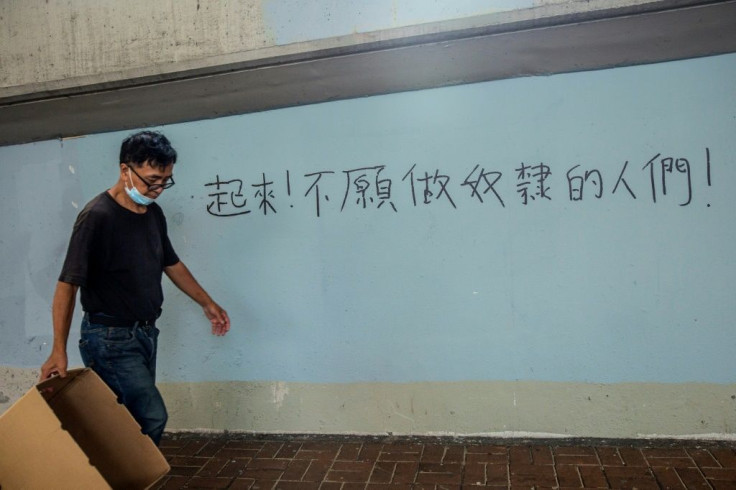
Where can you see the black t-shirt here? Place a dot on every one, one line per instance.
(117, 258)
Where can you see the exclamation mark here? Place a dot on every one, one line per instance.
(288, 185)
(707, 162)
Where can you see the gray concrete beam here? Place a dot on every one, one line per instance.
(565, 43)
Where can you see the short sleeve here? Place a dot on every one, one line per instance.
(77, 262)
(170, 257)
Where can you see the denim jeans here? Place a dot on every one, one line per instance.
(125, 358)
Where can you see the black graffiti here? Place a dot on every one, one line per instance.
(537, 175)
(577, 182)
(372, 187)
(228, 198)
(265, 195)
(490, 179)
(667, 167)
(365, 186)
(622, 180)
(315, 187)
(432, 186)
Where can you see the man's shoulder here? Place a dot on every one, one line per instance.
(98, 208)
(156, 208)
(156, 211)
(101, 199)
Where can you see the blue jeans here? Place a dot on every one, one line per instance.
(125, 358)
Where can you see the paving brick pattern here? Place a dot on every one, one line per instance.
(371, 464)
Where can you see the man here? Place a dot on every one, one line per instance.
(117, 253)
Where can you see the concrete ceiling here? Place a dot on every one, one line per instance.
(555, 45)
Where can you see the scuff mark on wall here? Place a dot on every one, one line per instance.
(279, 390)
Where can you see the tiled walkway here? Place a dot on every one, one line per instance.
(373, 464)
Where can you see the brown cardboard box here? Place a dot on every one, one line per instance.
(71, 433)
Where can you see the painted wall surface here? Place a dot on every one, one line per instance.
(297, 21)
(547, 254)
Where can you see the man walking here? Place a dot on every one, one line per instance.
(117, 254)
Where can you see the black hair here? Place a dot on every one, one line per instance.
(147, 146)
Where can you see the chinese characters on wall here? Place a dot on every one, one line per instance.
(532, 183)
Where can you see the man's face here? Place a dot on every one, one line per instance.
(150, 181)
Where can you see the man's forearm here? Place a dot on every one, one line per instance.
(185, 281)
(62, 310)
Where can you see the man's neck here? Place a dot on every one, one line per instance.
(118, 193)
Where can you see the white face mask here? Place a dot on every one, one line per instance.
(135, 194)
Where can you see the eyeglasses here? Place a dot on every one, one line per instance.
(154, 187)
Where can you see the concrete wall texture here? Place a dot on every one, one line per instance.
(51, 45)
(544, 256)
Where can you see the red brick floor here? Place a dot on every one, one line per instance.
(373, 464)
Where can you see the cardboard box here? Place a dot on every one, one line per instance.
(71, 433)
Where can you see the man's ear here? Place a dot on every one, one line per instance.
(123, 173)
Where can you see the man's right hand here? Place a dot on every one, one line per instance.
(55, 364)
(62, 309)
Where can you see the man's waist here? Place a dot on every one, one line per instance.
(115, 321)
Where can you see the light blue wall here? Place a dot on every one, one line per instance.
(292, 21)
(607, 289)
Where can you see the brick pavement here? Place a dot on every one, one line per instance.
(311, 463)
